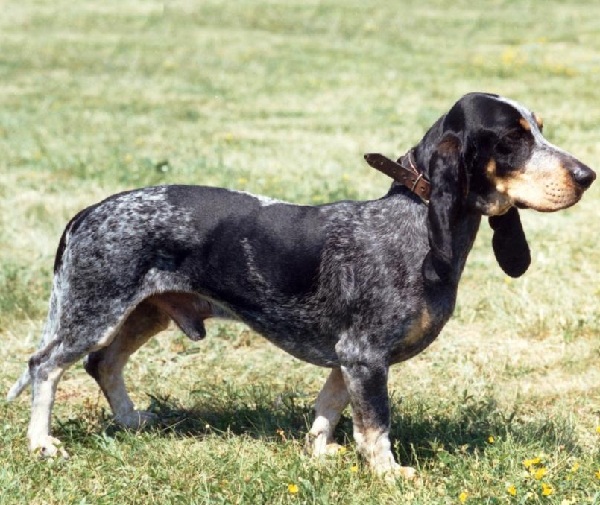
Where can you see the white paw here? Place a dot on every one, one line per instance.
(320, 445)
(406, 472)
(48, 447)
(395, 471)
(136, 419)
(385, 465)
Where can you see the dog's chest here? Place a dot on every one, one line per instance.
(418, 333)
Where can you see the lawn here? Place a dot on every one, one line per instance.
(283, 98)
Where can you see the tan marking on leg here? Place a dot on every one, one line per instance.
(112, 382)
(141, 325)
(375, 447)
(372, 439)
(331, 402)
(41, 411)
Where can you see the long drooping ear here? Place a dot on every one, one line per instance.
(449, 187)
(509, 243)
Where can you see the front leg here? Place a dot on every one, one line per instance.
(366, 382)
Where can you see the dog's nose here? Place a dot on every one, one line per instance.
(583, 175)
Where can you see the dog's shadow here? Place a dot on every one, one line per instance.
(419, 430)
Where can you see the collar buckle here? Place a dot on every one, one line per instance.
(409, 176)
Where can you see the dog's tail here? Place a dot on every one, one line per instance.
(49, 334)
(48, 337)
(48, 341)
(19, 386)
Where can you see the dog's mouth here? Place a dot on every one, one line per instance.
(550, 181)
(549, 197)
(494, 203)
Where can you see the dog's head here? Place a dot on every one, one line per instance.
(488, 155)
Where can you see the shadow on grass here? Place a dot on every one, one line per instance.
(419, 429)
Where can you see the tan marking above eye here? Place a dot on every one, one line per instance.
(525, 124)
(490, 168)
(539, 121)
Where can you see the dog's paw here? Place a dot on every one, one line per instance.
(405, 472)
(136, 419)
(320, 445)
(48, 448)
(395, 471)
(388, 468)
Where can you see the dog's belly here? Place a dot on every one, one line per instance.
(293, 331)
(303, 340)
(324, 356)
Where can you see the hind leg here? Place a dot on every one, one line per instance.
(46, 367)
(332, 400)
(106, 365)
(45, 377)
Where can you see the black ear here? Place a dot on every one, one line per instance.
(510, 244)
(449, 187)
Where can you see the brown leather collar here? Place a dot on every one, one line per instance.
(403, 172)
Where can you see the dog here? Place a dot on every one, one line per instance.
(355, 286)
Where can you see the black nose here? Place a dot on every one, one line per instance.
(583, 175)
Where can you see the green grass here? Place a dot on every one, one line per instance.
(283, 98)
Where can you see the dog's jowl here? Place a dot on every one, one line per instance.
(352, 286)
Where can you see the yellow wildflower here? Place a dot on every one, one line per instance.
(462, 497)
(598, 430)
(575, 466)
(342, 450)
(528, 463)
(354, 468)
(293, 488)
(539, 473)
(491, 439)
(511, 490)
(547, 489)
(597, 474)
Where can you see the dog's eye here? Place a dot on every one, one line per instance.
(509, 141)
(513, 136)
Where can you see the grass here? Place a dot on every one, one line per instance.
(282, 98)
